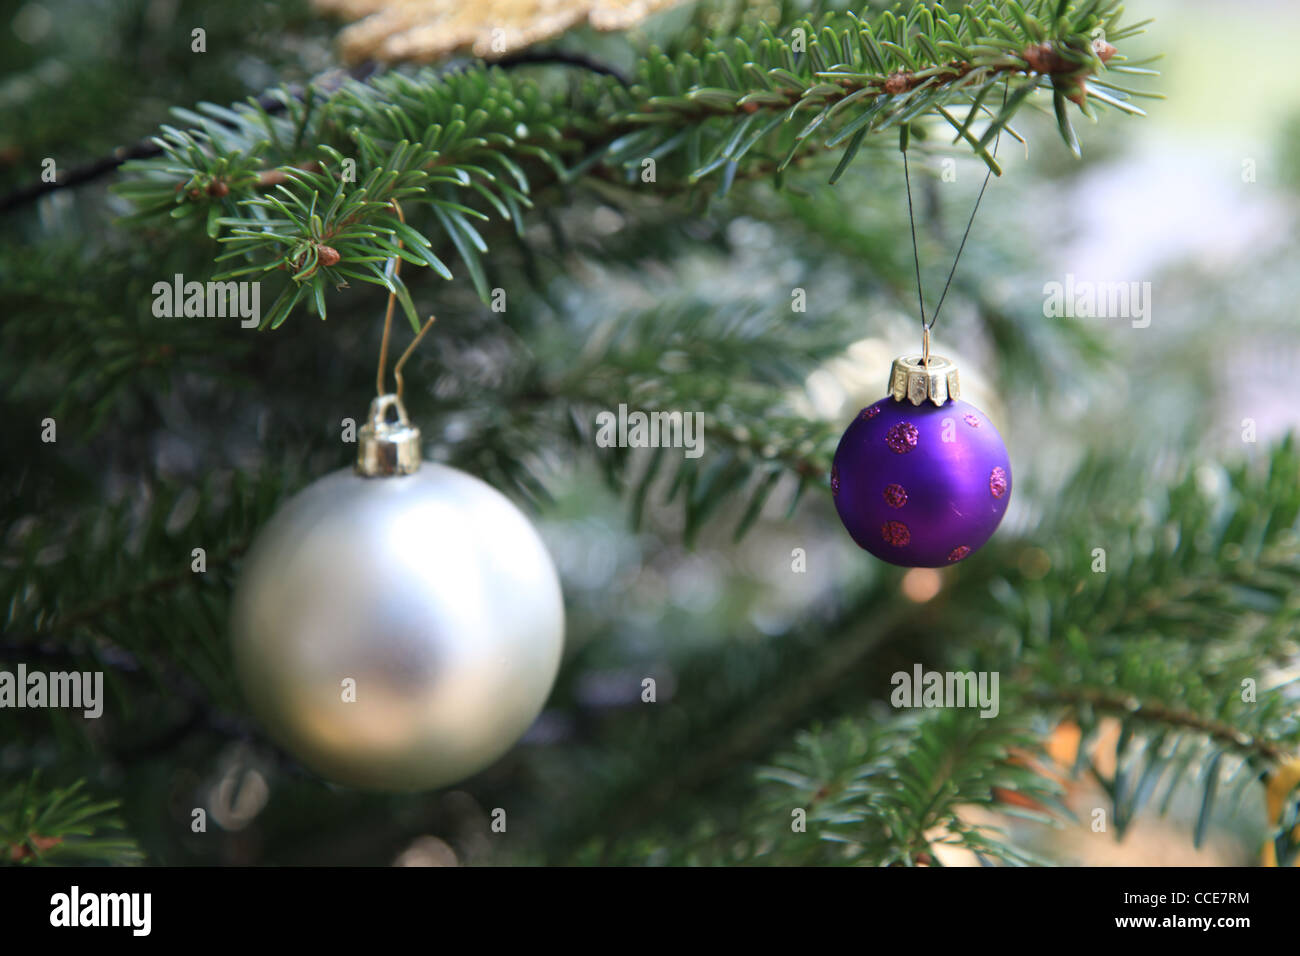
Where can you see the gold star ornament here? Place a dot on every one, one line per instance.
(426, 30)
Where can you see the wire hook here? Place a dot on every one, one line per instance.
(396, 267)
(911, 219)
(397, 369)
(388, 313)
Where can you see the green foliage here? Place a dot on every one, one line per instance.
(58, 826)
(1197, 598)
(735, 368)
(890, 793)
(1164, 652)
(310, 190)
(129, 56)
(531, 180)
(115, 590)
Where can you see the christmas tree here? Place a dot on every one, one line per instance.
(669, 253)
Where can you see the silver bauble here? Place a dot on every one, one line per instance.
(417, 589)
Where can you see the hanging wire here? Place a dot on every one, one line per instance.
(916, 258)
(395, 267)
(970, 222)
(397, 369)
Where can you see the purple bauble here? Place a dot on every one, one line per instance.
(922, 486)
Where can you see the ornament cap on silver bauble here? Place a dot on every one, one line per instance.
(387, 448)
(397, 625)
(921, 479)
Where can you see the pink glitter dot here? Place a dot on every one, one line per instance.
(895, 533)
(871, 411)
(895, 496)
(998, 482)
(835, 480)
(901, 438)
(972, 421)
(959, 552)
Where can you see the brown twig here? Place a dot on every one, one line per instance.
(1129, 707)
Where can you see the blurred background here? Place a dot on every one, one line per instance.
(1154, 441)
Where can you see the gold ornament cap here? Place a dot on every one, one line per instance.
(916, 379)
(387, 448)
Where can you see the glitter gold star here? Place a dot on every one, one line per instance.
(425, 30)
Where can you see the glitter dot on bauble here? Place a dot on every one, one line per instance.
(921, 486)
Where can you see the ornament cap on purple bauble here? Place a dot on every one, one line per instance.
(921, 483)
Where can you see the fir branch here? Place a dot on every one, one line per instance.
(1051, 670)
(61, 825)
(474, 143)
(274, 103)
(1225, 735)
(893, 791)
(117, 602)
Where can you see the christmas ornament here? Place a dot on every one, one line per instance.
(397, 625)
(1284, 778)
(425, 30)
(921, 478)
